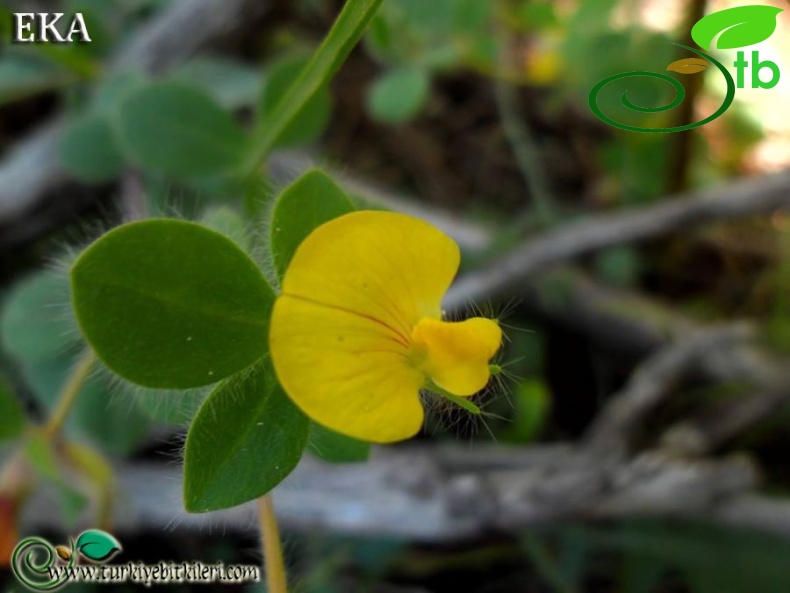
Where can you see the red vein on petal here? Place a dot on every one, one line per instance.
(403, 340)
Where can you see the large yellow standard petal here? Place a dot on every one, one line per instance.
(390, 267)
(345, 371)
(455, 355)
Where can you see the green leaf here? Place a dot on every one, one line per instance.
(179, 130)
(739, 26)
(114, 88)
(310, 122)
(39, 331)
(231, 83)
(88, 150)
(537, 16)
(13, 423)
(171, 304)
(333, 447)
(246, 438)
(326, 61)
(307, 203)
(220, 188)
(97, 545)
(472, 16)
(105, 418)
(398, 95)
(101, 21)
(379, 39)
(440, 58)
(36, 322)
(437, 15)
(23, 76)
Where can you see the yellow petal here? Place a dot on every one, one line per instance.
(390, 267)
(456, 354)
(346, 370)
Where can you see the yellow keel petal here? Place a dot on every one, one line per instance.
(456, 354)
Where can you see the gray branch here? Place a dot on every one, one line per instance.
(27, 173)
(184, 28)
(439, 494)
(653, 382)
(508, 273)
(713, 429)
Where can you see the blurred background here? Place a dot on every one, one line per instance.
(635, 440)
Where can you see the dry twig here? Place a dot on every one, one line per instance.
(508, 273)
(438, 494)
(651, 383)
(713, 429)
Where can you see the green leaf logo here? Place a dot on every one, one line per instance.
(739, 26)
(97, 545)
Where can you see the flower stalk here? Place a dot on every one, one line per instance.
(274, 565)
(69, 393)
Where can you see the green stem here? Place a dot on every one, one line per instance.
(68, 394)
(519, 136)
(276, 578)
(521, 139)
(461, 402)
(326, 61)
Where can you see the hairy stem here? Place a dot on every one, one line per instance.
(276, 579)
(68, 394)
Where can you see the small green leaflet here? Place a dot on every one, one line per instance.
(171, 304)
(307, 203)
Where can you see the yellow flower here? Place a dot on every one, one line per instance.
(357, 331)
